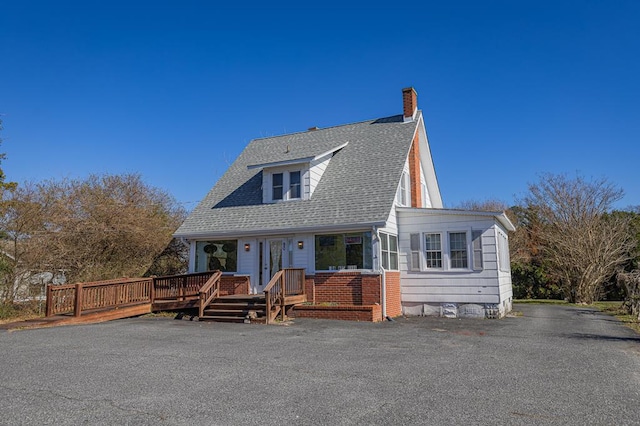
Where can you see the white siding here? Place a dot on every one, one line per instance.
(506, 289)
(316, 170)
(300, 258)
(426, 200)
(449, 285)
(247, 260)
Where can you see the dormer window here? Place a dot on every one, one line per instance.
(293, 179)
(285, 185)
(277, 186)
(294, 184)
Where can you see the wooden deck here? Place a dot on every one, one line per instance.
(121, 298)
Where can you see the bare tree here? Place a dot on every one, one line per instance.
(98, 228)
(490, 205)
(583, 244)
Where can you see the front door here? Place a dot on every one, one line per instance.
(274, 258)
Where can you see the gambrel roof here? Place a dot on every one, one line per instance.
(357, 188)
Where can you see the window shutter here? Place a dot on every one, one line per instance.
(415, 252)
(477, 250)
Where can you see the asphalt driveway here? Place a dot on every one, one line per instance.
(552, 365)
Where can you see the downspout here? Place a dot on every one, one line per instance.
(383, 283)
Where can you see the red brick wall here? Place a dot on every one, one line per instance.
(348, 288)
(348, 313)
(233, 285)
(392, 295)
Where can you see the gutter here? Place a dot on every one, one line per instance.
(279, 232)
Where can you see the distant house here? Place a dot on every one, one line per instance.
(359, 207)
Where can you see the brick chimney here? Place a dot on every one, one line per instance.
(409, 102)
(410, 106)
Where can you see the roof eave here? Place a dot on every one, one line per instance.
(283, 231)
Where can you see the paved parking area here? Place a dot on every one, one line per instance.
(552, 365)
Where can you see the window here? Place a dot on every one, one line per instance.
(294, 184)
(286, 186)
(340, 251)
(415, 252)
(401, 197)
(277, 193)
(503, 253)
(476, 237)
(433, 250)
(217, 255)
(458, 250)
(389, 244)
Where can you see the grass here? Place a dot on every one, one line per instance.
(613, 308)
(12, 312)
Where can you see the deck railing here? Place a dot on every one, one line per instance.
(76, 298)
(286, 282)
(120, 292)
(180, 287)
(209, 291)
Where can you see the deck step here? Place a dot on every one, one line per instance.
(218, 318)
(235, 307)
(233, 312)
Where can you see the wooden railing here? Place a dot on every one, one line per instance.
(180, 287)
(209, 291)
(115, 293)
(286, 282)
(76, 298)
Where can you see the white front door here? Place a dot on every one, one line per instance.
(274, 258)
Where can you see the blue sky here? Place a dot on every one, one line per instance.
(175, 90)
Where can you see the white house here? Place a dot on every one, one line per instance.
(359, 207)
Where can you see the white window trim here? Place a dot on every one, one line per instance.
(286, 184)
(386, 254)
(443, 253)
(467, 247)
(445, 249)
(403, 197)
(502, 247)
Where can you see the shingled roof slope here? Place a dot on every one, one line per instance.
(358, 186)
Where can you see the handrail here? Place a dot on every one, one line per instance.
(114, 293)
(272, 293)
(76, 298)
(286, 282)
(180, 287)
(209, 291)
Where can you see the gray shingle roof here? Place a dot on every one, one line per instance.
(358, 186)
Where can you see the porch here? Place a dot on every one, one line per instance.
(211, 296)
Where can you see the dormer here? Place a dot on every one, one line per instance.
(291, 180)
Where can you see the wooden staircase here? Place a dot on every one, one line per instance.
(247, 308)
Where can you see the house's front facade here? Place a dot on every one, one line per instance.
(359, 207)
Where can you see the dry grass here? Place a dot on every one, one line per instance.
(20, 312)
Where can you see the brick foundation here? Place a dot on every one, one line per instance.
(230, 284)
(352, 296)
(370, 313)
